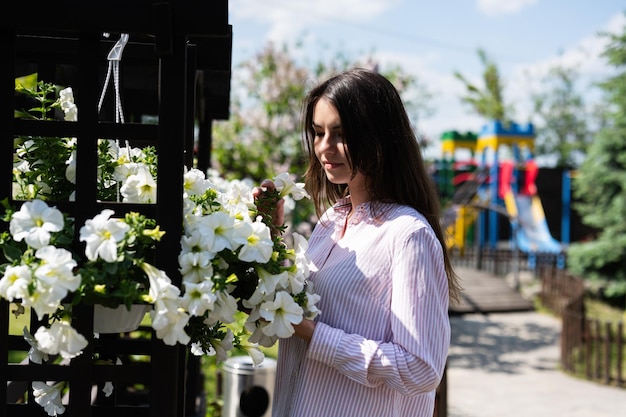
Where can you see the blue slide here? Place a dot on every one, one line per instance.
(533, 234)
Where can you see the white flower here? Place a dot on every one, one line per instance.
(256, 354)
(237, 199)
(169, 321)
(66, 99)
(194, 182)
(43, 300)
(70, 171)
(161, 286)
(102, 236)
(216, 231)
(286, 186)
(196, 349)
(140, 187)
(311, 310)
(256, 241)
(266, 287)
(123, 157)
(195, 263)
(49, 397)
(56, 270)
(60, 339)
(281, 313)
(225, 308)
(222, 347)
(256, 328)
(107, 389)
(14, 284)
(168, 317)
(34, 354)
(34, 223)
(199, 298)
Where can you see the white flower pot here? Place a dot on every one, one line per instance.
(119, 319)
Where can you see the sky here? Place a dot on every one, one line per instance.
(433, 39)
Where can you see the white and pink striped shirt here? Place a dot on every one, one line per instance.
(382, 338)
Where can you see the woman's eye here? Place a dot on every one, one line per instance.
(319, 134)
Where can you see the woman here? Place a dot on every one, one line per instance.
(379, 263)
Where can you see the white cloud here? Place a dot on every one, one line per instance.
(585, 57)
(502, 7)
(287, 19)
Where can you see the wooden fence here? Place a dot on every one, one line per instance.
(589, 347)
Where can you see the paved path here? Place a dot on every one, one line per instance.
(507, 365)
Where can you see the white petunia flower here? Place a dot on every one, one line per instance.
(57, 270)
(49, 397)
(286, 186)
(34, 223)
(199, 298)
(15, 281)
(256, 354)
(66, 99)
(311, 310)
(169, 321)
(194, 182)
(255, 240)
(70, 171)
(140, 187)
(196, 349)
(281, 313)
(256, 327)
(107, 389)
(168, 317)
(34, 354)
(222, 347)
(60, 339)
(225, 308)
(266, 287)
(216, 231)
(102, 235)
(237, 199)
(194, 263)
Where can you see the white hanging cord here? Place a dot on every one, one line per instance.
(115, 57)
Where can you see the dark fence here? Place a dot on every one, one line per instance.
(503, 261)
(589, 347)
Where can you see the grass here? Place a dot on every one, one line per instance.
(598, 310)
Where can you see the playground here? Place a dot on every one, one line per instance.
(489, 185)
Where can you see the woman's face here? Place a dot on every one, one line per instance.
(330, 149)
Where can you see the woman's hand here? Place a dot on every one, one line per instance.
(268, 203)
(304, 330)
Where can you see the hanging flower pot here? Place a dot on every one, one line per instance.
(118, 319)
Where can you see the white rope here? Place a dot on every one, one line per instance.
(115, 57)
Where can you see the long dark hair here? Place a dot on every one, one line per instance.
(382, 145)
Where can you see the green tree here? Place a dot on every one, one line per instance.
(562, 128)
(486, 101)
(262, 138)
(601, 187)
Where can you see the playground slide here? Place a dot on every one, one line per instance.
(533, 234)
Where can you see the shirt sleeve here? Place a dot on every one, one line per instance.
(413, 361)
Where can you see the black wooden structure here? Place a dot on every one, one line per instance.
(176, 69)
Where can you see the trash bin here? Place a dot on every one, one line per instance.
(247, 390)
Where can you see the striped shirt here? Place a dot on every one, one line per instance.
(381, 340)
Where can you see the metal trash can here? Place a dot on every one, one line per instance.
(247, 390)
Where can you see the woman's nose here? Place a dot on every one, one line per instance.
(326, 142)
